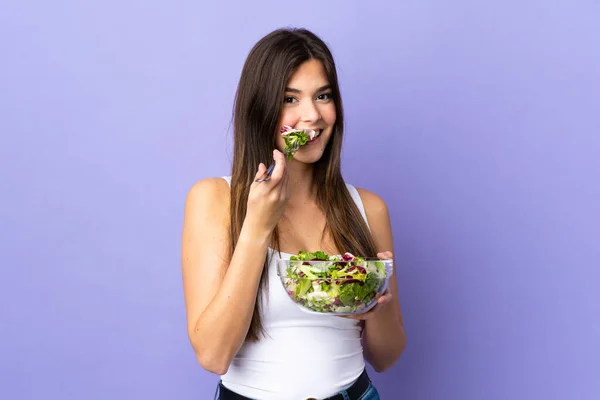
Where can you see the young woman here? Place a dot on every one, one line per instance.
(241, 322)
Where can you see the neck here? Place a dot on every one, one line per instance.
(300, 183)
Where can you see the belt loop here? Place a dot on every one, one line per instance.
(345, 395)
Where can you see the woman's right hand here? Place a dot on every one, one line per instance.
(217, 282)
(267, 200)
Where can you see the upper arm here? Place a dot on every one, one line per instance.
(205, 244)
(379, 220)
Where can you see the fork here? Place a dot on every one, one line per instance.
(295, 147)
(271, 168)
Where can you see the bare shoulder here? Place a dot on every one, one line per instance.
(204, 243)
(375, 206)
(379, 219)
(206, 215)
(208, 194)
(208, 190)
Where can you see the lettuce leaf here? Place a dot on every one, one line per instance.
(293, 141)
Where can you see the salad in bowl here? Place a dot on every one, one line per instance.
(334, 285)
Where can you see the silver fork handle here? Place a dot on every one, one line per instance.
(269, 172)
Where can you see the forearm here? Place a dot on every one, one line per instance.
(221, 329)
(383, 339)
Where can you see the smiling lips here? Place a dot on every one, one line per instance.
(312, 133)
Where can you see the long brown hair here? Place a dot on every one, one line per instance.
(258, 105)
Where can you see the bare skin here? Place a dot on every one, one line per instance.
(219, 297)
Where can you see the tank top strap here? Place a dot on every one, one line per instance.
(356, 197)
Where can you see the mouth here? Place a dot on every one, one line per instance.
(295, 138)
(316, 138)
(314, 134)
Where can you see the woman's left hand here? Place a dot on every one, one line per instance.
(382, 299)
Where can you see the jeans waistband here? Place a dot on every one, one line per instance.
(354, 392)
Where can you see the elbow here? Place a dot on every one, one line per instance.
(383, 366)
(384, 363)
(213, 359)
(380, 368)
(213, 365)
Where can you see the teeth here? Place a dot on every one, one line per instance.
(315, 134)
(312, 133)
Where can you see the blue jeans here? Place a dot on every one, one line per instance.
(370, 394)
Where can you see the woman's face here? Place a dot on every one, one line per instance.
(308, 103)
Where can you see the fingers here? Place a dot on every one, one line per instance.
(385, 298)
(280, 166)
(261, 171)
(385, 255)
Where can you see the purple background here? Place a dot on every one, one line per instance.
(478, 122)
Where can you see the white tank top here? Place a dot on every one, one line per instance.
(302, 355)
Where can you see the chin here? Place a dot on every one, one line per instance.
(310, 153)
(309, 158)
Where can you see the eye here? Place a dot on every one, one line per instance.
(325, 96)
(289, 99)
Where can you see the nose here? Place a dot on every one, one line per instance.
(308, 112)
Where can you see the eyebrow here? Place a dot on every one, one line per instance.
(292, 90)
